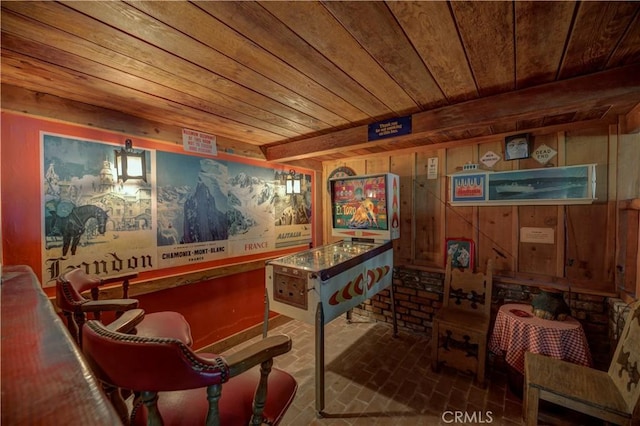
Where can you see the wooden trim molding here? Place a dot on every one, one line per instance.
(179, 280)
(138, 288)
(243, 336)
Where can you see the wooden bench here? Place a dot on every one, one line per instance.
(608, 395)
(45, 378)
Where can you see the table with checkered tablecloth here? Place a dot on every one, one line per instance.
(515, 333)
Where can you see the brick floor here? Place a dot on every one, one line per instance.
(375, 379)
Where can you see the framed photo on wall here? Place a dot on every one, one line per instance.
(462, 252)
(471, 187)
(517, 147)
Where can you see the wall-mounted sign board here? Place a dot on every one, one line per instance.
(201, 143)
(537, 235)
(432, 168)
(390, 128)
(543, 154)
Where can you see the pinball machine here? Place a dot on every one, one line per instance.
(318, 285)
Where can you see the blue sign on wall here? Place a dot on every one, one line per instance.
(390, 128)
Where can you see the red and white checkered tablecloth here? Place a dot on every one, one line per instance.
(513, 335)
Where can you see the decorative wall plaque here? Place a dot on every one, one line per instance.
(490, 158)
(543, 154)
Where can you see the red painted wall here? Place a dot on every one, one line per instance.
(215, 309)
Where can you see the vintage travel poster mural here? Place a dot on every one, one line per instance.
(210, 209)
(89, 218)
(292, 212)
(252, 192)
(192, 198)
(190, 209)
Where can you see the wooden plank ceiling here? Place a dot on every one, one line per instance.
(302, 80)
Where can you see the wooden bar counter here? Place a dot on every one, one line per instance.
(44, 378)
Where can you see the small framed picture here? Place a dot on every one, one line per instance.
(462, 252)
(517, 147)
(468, 187)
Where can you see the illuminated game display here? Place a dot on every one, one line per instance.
(365, 207)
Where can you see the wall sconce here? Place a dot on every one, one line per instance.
(293, 183)
(130, 164)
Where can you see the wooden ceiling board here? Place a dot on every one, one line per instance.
(541, 30)
(503, 127)
(627, 50)
(165, 37)
(40, 76)
(353, 138)
(129, 66)
(566, 117)
(568, 95)
(262, 28)
(491, 50)
(598, 29)
(197, 24)
(376, 29)
(301, 81)
(431, 28)
(592, 113)
(532, 123)
(317, 26)
(553, 98)
(172, 70)
(189, 95)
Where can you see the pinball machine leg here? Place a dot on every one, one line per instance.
(319, 360)
(349, 316)
(393, 311)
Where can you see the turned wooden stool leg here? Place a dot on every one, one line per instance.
(150, 400)
(260, 397)
(79, 322)
(214, 392)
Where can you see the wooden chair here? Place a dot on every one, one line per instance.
(461, 326)
(76, 308)
(179, 386)
(608, 395)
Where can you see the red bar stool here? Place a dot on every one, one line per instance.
(179, 386)
(130, 319)
(70, 287)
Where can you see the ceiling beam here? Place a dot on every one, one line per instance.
(594, 90)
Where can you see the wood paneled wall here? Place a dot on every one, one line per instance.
(582, 256)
